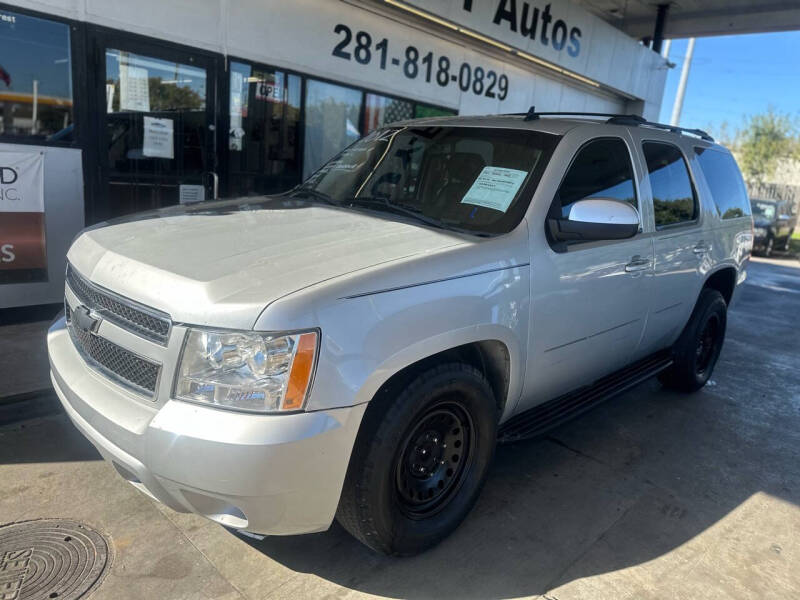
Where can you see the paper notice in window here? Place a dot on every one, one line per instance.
(158, 138)
(495, 188)
(134, 86)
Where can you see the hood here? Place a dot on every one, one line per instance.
(221, 265)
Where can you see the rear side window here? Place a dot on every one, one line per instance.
(725, 182)
(674, 200)
(601, 169)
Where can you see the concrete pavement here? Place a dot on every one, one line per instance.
(652, 495)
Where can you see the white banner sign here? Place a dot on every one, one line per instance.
(22, 234)
(21, 182)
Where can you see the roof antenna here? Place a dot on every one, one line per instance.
(532, 115)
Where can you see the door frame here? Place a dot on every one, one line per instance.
(97, 39)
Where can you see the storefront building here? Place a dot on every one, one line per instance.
(109, 107)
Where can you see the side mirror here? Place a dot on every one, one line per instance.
(596, 219)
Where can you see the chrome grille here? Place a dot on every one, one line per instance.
(116, 362)
(143, 321)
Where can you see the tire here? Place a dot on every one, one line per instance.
(386, 506)
(696, 352)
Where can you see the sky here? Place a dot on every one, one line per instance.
(735, 76)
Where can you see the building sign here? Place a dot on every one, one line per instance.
(23, 257)
(350, 45)
(563, 34)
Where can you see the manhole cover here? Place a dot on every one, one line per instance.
(50, 558)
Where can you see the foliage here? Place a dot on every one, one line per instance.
(765, 139)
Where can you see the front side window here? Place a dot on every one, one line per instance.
(725, 182)
(674, 200)
(601, 169)
(461, 178)
(35, 78)
(263, 139)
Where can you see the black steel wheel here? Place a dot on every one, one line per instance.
(696, 352)
(707, 344)
(432, 460)
(420, 459)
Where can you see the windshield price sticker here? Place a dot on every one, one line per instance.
(495, 188)
(411, 62)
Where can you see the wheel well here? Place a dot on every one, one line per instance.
(490, 357)
(724, 281)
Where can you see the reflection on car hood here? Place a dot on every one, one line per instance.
(221, 264)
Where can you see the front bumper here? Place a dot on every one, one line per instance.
(268, 474)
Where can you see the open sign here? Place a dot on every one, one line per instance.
(271, 91)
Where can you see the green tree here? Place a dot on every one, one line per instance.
(765, 139)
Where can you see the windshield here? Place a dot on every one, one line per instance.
(477, 180)
(764, 209)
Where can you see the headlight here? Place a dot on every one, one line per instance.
(247, 371)
(759, 232)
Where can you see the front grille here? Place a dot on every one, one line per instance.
(138, 319)
(118, 363)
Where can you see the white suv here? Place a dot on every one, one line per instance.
(355, 347)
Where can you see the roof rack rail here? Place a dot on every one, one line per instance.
(618, 119)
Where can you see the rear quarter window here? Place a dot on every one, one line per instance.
(725, 183)
(674, 198)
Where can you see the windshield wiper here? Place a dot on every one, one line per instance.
(401, 209)
(413, 212)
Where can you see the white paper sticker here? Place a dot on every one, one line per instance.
(495, 188)
(158, 138)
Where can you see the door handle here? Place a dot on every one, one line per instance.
(701, 248)
(637, 264)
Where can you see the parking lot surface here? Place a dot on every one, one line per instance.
(652, 495)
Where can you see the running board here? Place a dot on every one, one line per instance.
(539, 419)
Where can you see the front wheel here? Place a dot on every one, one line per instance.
(420, 460)
(769, 246)
(696, 352)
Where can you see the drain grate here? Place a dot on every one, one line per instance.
(51, 559)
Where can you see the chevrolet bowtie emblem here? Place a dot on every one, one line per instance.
(84, 320)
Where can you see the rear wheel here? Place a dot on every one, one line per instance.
(420, 460)
(696, 352)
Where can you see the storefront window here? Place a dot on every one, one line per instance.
(425, 110)
(331, 122)
(263, 140)
(156, 114)
(382, 110)
(158, 141)
(35, 78)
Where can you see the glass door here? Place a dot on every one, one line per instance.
(157, 125)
